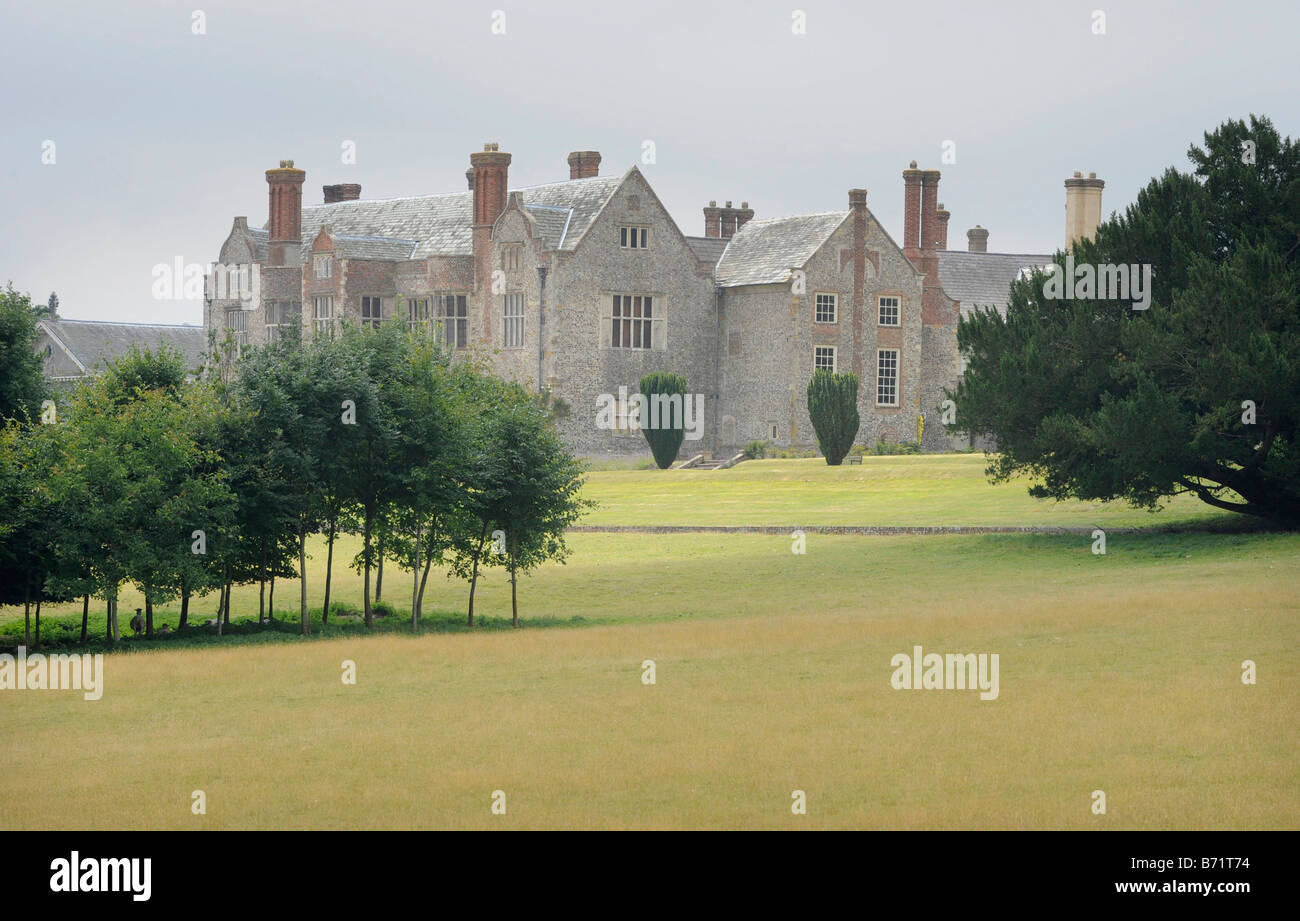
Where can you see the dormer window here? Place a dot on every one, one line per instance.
(633, 237)
(324, 265)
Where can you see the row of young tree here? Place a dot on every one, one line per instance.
(181, 486)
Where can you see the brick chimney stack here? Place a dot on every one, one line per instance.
(584, 164)
(469, 178)
(977, 240)
(942, 217)
(725, 221)
(491, 168)
(1082, 207)
(490, 175)
(929, 208)
(285, 188)
(345, 191)
(912, 213)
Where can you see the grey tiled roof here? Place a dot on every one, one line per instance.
(94, 343)
(261, 243)
(442, 224)
(550, 223)
(707, 249)
(382, 249)
(982, 279)
(764, 252)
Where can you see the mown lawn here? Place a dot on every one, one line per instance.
(1118, 672)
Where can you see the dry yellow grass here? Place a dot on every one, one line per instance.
(1129, 685)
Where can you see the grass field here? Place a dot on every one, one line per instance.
(1118, 672)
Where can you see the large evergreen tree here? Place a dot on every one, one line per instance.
(1198, 393)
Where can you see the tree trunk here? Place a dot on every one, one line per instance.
(27, 615)
(115, 628)
(185, 609)
(379, 577)
(85, 618)
(229, 585)
(514, 601)
(261, 588)
(302, 578)
(415, 585)
(148, 616)
(365, 558)
(329, 567)
(473, 581)
(270, 602)
(38, 624)
(108, 618)
(223, 607)
(424, 578)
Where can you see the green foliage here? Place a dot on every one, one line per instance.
(666, 437)
(893, 448)
(833, 409)
(1100, 401)
(755, 449)
(22, 385)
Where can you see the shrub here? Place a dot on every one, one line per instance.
(833, 408)
(665, 439)
(897, 447)
(756, 449)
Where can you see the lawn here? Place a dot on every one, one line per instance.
(1118, 672)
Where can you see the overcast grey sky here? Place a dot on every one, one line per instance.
(162, 136)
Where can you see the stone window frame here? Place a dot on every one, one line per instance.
(634, 241)
(835, 357)
(511, 321)
(897, 377)
(898, 314)
(512, 256)
(835, 307)
(456, 335)
(323, 322)
(657, 320)
(418, 312)
(372, 321)
(280, 312)
(322, 261)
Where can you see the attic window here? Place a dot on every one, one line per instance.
(510, 256)
(323, 265)
(633, 237)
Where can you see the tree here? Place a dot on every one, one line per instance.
(22, 384)
(833, 408)
(665, 423)
(1197, 393)
(538, 492)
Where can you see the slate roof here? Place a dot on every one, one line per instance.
(94, 343)
(982, 279)
(707, 249)
(382, 249)
(550, 222)
(261, 243)
(441, 225)
(764, 251)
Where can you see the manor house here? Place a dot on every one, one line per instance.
(580, 287)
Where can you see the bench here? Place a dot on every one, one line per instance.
(854, 458)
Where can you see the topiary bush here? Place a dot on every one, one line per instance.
(666, 438)
(833, 408)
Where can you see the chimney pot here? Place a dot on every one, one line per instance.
(345, 191)
(977, 240)
(584, 164)
(284, 189)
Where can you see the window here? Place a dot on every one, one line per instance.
(279, 317)
(417, 314)
(324, 266)
(237, 323)
(772, 431)
(323, 313)
(514, 321)
(887, 377)
(453, 314)
(510, 256)
(632, 321)
(372, 312)
(889, 308)
(824, 358)
(633, 237)
(825, 311)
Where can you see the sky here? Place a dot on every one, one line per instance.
(160, 122)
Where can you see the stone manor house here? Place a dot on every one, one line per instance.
(582, 286)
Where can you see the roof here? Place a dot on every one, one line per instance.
(383, 249)
(442, 225)
(983, 279)
(707, 249)
(94, 343)
(763, 252)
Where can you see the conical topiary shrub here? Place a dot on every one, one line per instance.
(833, 408)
